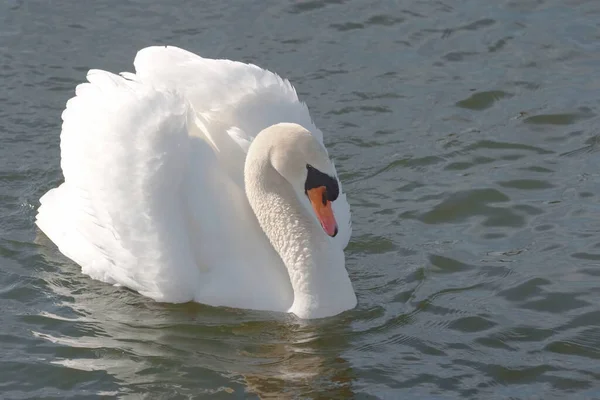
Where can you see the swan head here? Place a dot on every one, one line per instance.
(303, 161)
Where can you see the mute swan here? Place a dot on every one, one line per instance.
(201, 180)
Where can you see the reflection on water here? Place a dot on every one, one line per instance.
(115, 331)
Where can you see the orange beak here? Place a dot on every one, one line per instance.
(323, 210)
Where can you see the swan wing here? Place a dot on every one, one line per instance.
(233, 102)
(145, 203)
(120, 212)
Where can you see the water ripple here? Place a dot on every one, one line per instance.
(466, 137)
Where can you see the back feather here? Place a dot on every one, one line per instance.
(233, 102)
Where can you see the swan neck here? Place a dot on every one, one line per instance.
(316, 265)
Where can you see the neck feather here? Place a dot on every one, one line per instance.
(316, 265)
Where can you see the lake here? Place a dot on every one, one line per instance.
(466, 134)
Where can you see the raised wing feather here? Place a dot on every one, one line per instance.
(119, 213)
(233, 102)
(240, 95)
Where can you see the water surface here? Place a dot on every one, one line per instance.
(466, 134)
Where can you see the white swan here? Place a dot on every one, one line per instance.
(201, 180)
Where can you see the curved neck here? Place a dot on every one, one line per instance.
(315, 264)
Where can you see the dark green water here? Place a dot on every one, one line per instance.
(466, 133)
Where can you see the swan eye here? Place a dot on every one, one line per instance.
(316, 178)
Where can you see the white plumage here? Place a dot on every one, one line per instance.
(154, 197)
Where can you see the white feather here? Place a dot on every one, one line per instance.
(237, 101)
(153, 197)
